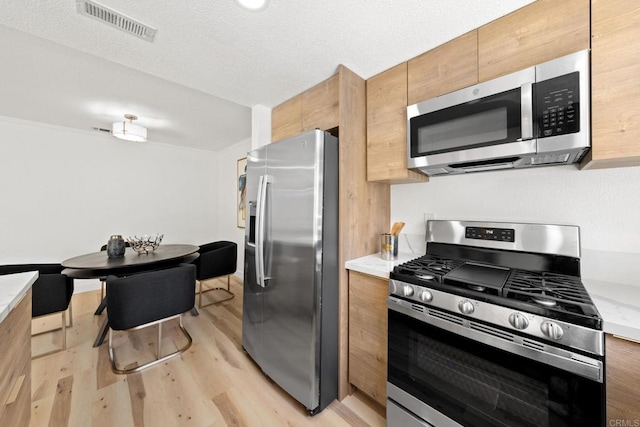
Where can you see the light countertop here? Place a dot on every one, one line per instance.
(619, 306)
(374, 265)
(12, 288)
(618, 303)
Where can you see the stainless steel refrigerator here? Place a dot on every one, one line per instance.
(290, 306)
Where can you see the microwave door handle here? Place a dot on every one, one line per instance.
(260, 212)
(526, 97)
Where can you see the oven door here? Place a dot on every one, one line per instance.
(444, 378)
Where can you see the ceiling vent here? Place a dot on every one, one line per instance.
(115, 19)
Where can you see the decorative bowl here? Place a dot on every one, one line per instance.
(145, 244)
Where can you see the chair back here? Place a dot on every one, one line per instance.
(216, 259)
(147, 297)
(52, 291)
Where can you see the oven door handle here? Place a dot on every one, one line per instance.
(498, 338)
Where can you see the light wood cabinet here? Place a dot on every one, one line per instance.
(448, 67)
(387, 128)
(320, 105)
(314, 108)
(615, 102)
(539, 32)
(15, 365)
(286, 119)
(623, 379)
(368, 335)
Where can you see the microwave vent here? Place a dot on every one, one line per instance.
(547, 159)
(115, 19)
(436, 171)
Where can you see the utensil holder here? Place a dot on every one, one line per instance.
(389, 246)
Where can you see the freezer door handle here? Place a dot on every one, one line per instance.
(260, 220)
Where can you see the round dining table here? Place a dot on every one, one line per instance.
(98, 265)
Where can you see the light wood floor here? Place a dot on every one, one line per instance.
(214, 383)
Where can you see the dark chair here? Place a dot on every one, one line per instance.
(51, 293)
(216, 259)
(103, 282)
(146, 299)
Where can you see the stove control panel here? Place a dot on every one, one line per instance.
(528, 324)
(496, 234)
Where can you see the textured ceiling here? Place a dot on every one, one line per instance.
(205, 54)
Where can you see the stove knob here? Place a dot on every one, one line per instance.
(551, 330)
(407, 290)
(426, 296)
(393, 288)
(466, 307)
(518, 321)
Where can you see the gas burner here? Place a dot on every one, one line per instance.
(437, 265)
(544, 302)
(477, 288)
(425, 276)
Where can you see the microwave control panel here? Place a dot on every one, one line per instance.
(558, 105)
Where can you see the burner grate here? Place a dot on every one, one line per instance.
(550, 290)
(428, 267)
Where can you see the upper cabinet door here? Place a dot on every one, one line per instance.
(615, 69)
(539, 32)
(320, 105)
(315, 108)
(387, 128)
(286, 119)
(448, 67)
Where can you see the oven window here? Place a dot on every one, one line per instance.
(492, 120)
(478, 385)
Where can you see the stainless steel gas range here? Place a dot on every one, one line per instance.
(493, 327)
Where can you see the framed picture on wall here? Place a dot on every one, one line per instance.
(241, 206)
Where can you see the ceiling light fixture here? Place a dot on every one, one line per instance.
(129, 131)
(254, 5)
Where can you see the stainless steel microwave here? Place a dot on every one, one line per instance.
(539, 116)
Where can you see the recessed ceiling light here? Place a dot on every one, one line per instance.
(254, 5)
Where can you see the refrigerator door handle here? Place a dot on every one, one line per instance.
(260, 218)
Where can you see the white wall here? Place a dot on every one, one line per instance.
(63, 192)
(227, 195)
(605, 204)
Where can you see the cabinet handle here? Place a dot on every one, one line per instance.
(15, 390)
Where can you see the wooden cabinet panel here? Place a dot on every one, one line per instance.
(449, 67)
(615, 59)
(368, 335)
(623, 376)
(539, 32)
(313, 108)
(320, 106)
(15, 365)
(387, 128)
(286, 119)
